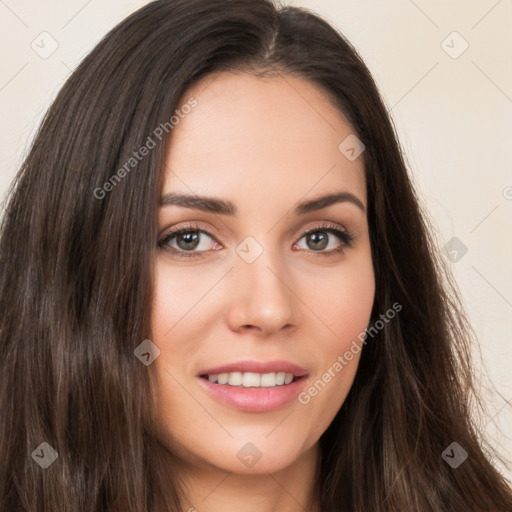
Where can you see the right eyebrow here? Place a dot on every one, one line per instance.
(206, 204)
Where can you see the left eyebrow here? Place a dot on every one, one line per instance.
(219, 206)
(328, 200)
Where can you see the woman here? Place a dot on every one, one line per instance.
(218, 290)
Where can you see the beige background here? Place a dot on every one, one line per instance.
(452, 110)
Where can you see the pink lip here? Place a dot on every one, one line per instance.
(254, 399)
(257, 367)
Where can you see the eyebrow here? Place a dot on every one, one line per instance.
(219, 206)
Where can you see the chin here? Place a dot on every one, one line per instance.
(260, 455)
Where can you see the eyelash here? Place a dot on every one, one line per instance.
(346, 238)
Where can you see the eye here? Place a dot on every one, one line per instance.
(192, 241)
(320, 238)
(188, 242)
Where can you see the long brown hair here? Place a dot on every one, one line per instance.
(76, 284)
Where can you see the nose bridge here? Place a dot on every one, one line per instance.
(261, 289)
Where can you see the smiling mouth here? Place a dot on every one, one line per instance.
(252, 379)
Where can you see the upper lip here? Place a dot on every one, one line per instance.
(257, 367)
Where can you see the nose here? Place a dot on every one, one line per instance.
(261, 297)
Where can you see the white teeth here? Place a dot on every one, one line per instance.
(235, 379)
(268, 380)
(251, 379)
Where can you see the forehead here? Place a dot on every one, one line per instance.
(260, 133)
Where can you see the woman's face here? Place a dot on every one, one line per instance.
(242, 287)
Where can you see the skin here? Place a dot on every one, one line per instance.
(265, 144)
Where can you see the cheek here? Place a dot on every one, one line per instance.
(179, 295)
(343, 300)
(175, 329)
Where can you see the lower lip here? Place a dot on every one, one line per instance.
(254, 399)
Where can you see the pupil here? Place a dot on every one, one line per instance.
(315, 238)
(190, 240)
